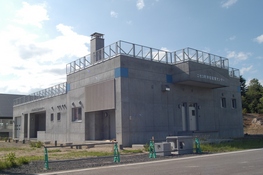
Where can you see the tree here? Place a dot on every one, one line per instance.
(253, 96)
(243, 90)
(243, 86)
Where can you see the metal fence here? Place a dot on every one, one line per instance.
(189, 54)
(45, 93)
(151, 54)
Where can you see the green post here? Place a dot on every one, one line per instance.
(116, 153)
(46, 159)
(152, 153)
(197, 146)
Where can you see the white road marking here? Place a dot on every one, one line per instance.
(151, 162)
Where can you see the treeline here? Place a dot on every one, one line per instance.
(252, 96)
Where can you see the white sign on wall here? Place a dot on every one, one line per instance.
(209, 77)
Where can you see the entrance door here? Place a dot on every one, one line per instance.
(189, 120)
(17, 126)
(192, 118)
(25, 125)
(184, 118)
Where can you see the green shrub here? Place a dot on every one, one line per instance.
(2, 165)
(11, 158)
(22, 160)
(146, 147)
(39, 144)
(244, 111)
(36, 144)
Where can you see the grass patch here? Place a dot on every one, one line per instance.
(14, 149)
(125, 151)
(36, 144)
(79, 154)
(235, 145)
(54, 150)
(10, 160)
(33, 158)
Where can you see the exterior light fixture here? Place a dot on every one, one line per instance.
(165, 88)
(73, 104)
(80, 102)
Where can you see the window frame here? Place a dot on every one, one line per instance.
(76, 114)
(58, 116)
(223, 102)
(52, 117)
(234, 103)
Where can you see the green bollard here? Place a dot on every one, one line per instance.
(116, 153)
(152, 153)
(197, 146)
(46, 159)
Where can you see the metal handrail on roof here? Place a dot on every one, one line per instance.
(148, 53)
(53, 91)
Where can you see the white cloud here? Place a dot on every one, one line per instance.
(232, 38)
(114, 14)
(140, 4)
(32, 62)
(32, 14)
(259, 39)
(164, 49)
(129, 22)
(240, 56)
(228, 3)
(245, 69)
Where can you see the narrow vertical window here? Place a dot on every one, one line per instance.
(234, 103)
(223, 102)
(52, 117)
(58, 116)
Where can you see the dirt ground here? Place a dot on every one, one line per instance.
(57, 153)
(253, 124)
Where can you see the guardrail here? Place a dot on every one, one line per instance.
(116, 154)
(190, 54)
(45, 93)
(148, 53)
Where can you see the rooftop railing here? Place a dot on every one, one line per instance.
(45, 93)
(233, 72)
(189, 54)
(147, 53)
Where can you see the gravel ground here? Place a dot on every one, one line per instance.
(38, 166)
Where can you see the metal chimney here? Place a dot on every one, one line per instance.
(96, 45)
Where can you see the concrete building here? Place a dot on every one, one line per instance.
(6, 114)
(130, 93)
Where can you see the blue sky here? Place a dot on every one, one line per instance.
(38, 38)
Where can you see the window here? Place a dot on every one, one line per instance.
(223, 102)
(76, 114)
(234, 103)
(52, 117)
(58, 116)
(193, 112)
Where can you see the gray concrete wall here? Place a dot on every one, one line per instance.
(147, 111)
(54, 130)
(142, 108)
